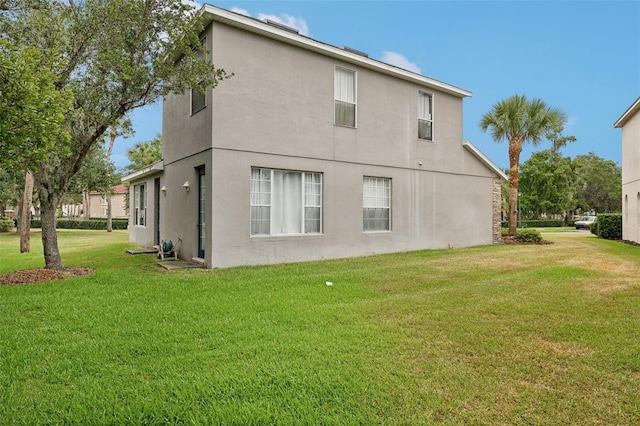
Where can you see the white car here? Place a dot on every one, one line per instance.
(585, 222)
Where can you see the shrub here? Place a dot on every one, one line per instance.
(542, 223)
(528, 236)
(98, 224)
(609, 226)
(6, 224)
(537, 223)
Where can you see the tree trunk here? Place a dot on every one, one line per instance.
(18, 209)
(25, 214)
(86, 205)
(48, 204)
(515, 147)
(109, 217)
(112, 139)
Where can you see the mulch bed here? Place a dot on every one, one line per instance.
(40, 275)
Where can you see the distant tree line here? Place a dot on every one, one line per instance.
(552, 185)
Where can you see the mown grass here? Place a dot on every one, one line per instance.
(558, 229)
(487, 335)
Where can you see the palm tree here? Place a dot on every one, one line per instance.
(520, 120)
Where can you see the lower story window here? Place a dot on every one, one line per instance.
(376, 204)
(285, 202)
(140, 204)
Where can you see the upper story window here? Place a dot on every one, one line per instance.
(345, 97)
(140, 205)
(199, 95)
(376, 204)
(425, 116)
(198, 100)
(285, 202)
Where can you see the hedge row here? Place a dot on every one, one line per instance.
(541, 223)
(93, 223)
(608, 226)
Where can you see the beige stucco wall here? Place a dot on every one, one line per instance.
(179, 208)
(281, 101)
(424, 214)
(98, 206)
(188, 134)
(631, 179)
(145, 235)
(277, 112)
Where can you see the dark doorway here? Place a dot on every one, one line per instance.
(202, 195)
(157, 218)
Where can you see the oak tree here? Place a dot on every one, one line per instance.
(113, 56)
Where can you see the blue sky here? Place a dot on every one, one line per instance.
(580, 56)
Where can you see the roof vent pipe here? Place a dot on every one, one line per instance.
(356, 51)
(281, 26)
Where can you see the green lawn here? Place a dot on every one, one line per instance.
(496, 335)
(558, 229)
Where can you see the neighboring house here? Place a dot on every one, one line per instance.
(98, 203)
(311, 152)
(629, 122)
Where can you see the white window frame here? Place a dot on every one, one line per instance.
(425, 117)
(196, 95)
(140, 205)
(376, 196)
(263, 198)
(337, 97)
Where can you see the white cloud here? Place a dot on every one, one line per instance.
(284, 19)
(192, 3)
(288, 20)
(399, 60)
(240, 11)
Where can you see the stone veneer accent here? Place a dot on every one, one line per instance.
(497, 210)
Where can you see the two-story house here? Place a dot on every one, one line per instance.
(99, 206)
(629, 122)
(311, 151)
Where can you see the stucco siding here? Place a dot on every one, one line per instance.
(424, 214)
(179, 208)
(98, 206)
(288, 109)
(143, 234)
(190, 133)
(277, 112)
(631, 179)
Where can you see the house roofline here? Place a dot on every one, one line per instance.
(209, 13)
(152, 169)
(116, 189)
(484, 159)
(635, 107)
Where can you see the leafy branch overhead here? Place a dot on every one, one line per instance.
(110, 57)
(31, 108)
